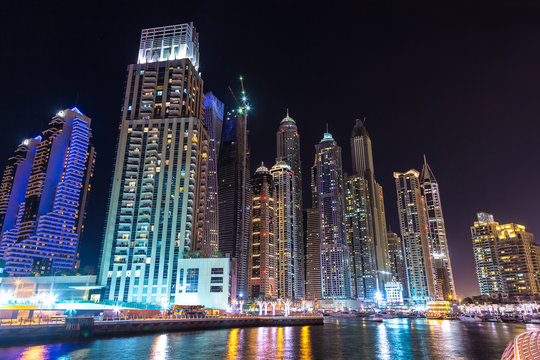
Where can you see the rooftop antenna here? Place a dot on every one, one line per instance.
(326, 127)
(287, 112)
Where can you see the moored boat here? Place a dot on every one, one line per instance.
(469, 318)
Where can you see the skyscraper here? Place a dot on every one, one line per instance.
(335, 270)
(263, 249)
(518, 257)
(43, 197)
(375, 243)
(289, 281)
(442, 268)
(358, 220)
(395, 255)
(484, 238)
(158, 197)
(235, 194)
(416, 251)
(213, 119)
(312, 241)
(288, 150)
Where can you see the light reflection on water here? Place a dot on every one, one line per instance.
(343, 339)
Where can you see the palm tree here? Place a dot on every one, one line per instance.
(287, 302)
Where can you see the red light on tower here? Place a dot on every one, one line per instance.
(264, 234)
(264, 197)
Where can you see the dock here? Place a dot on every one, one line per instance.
(80, 328)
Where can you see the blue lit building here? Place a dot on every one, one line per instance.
(334, 251)
(43, 197)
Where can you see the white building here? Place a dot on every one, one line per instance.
(206, 281)
(394, 292)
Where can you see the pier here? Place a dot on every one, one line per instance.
(86, 327)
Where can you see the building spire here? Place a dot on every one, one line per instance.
(326, 127)
(287, 112)
(427, 174)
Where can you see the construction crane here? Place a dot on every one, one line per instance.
(243, 106)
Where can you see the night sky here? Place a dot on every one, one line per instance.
(460, 84)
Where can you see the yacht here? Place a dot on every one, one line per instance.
(469, 318)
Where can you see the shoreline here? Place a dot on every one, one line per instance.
(85, 328)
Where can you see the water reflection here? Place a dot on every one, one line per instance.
(382, 342)
(160, 348)
(232, 344)
(305, 344)
(35, 353)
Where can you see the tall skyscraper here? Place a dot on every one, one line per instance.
(43, 197)
(213, 119)
(263, 247)
(442, 268)
(416, 251)
(375, 243)
(358, 220)
(312, 242)
(518, 257)
(158, 197)
(335, 267)
(235, 195)
(290, 277)
(395, 254)
(288, 150)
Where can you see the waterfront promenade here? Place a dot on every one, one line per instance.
(87, 327)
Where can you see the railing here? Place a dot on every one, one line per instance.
(192, 317)
(32, 321)
(525, 346)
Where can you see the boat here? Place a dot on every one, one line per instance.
(375, 319)
(469, 318)
(493, 319)
(434, 316)
(534, 320)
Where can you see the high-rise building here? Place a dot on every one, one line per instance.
(416, 250)
(484, 235)
(43, 197)
(288, 150)
(263, 249)
(395, 255)
(157, 203)
(335, 267)
(235, 195)
(517, 253)
(375, 224)
(312, 242)
(290, 277)
(213, 119)
(360, 238)
(442, 268)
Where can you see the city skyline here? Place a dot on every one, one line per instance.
(385, 120)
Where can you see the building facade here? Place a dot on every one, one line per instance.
(157, 204)
(235, 195)
(363, 261)
(484, 235)
(43, 197)
(518, 258)
(288, 150)
(376, 241)
(213, 119)
(395, 255)
(264, 252)
(442, 267)
(334, 251)
(290, 283)
(416, 249)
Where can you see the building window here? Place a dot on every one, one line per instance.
(192, 280)
(181, 281)
(216, 289)
(216, 280)
(217, 271)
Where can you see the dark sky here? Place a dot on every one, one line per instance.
(459, 83)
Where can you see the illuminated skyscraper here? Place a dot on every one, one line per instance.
(360, 238)
(235, 195)
(288, 150)
(213, 119)
(312, 242)
(374, 248)
(442, 268)
(263, 247)
(518, 259)
(157, 206)
(43, 197)
(290, 273)
(416, 250)
(395, 255)
(335, 268)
